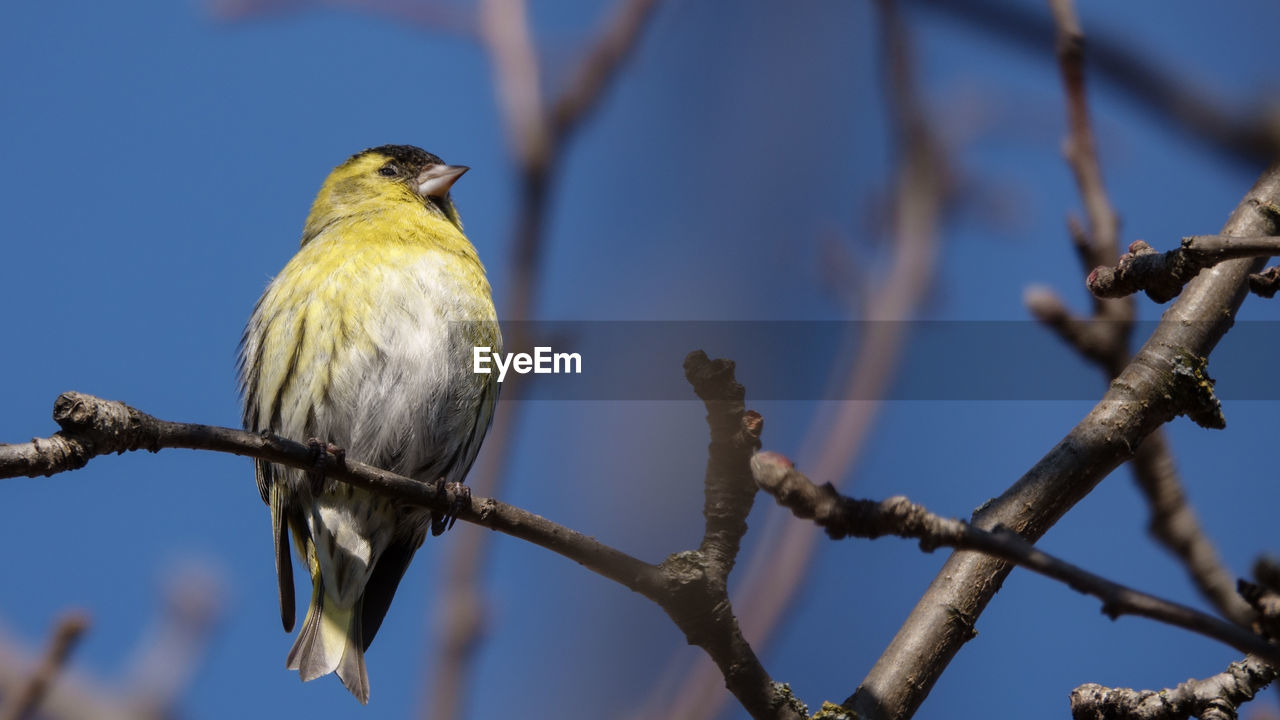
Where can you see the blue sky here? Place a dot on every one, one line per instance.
(158, 164)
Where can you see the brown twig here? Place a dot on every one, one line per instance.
(690, 586)
(1145, 395)
(537, 138)
(735, 435)
(1080, 148)
(1213, 698)
(1266, 283)
(92, 426)
(165, 659)
(24, 700)
(701, 607)
(776, 567)
(1105, 337)
(843, 517)
(170, 654)
(1175, 525)
(1163, 275)
(1250, 138)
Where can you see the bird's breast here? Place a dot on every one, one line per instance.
(370, 348)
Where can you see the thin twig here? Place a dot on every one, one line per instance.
(1251, 138)
(24, 701)
(1163, 275)
(1104, 339)
(177, 642)
(690, 586)
(735, 435)
(701, 607)
(1214, 698)
(537, 138)
(1080, 147)
(1098, 242)
(1147, 393)
(1175, 525)
(775, 569)
(92, 426)
(843, 517)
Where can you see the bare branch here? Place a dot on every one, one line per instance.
(735, 435)
(689, 586)
(1163, 275)
(171, 652)
(1175, 525)
(504, 28)
(24, 701)
(1213, 698)
(92, 426)
(1248, 137)
(1099, 340)
(1265, 283)
(592, 77)
(843, 517)
(1139, 400)
(700, 605)
(776, 568)
(537, 138)
(1080, 148)
(1104, 339)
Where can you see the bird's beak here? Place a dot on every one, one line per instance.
(435, 180)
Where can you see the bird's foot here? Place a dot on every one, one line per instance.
(320, 452)
(441, 522)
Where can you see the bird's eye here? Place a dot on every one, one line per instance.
(389, 170)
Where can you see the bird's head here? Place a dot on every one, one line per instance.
(381, 178)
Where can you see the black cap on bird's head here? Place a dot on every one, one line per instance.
(384, 176)
(428, 175)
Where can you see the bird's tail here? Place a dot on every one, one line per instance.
(330, 641)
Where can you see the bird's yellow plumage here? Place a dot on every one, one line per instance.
(364, 341)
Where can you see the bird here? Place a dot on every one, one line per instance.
(362, 344)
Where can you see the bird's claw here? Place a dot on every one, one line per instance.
(441, 522)
(320, 452)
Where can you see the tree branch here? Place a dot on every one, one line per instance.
(1213, 698)
(1145, 395)
(843, 517)
(735, 436)
(1174, 524)
(691, 587)
(24, 701)
(921, 181)
(1249, 137)
(1163, 275)
(1080, 148)
(701, 606)
(1105, 337)
(538, 138)
(92, 426)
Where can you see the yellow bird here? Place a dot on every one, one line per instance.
(364, 341)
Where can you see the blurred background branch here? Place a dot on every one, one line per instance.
(778, 564)
(1251, 136)
(22, 700)
(167, 657)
